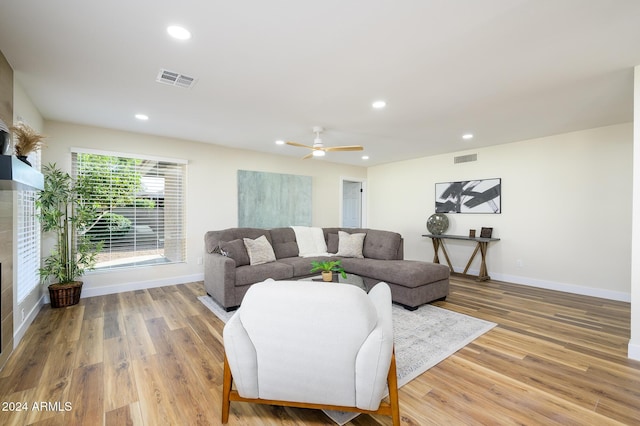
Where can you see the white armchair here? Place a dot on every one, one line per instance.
(312, 345)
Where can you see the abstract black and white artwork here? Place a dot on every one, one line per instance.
(469, 196)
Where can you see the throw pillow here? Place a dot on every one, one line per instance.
(260, 250)
(235, 250)
(310, 241)
(350, 245)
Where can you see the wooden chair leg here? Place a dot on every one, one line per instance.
(227, 382)
(392, 383)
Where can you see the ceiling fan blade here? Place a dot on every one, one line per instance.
(345, 148)
(300, 145)
(306, 157)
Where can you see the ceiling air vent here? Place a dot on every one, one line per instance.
(175, 79)
(465, 158)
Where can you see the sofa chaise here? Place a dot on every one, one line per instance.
(229, 270)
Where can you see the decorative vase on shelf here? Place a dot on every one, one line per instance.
(23, 158)
(5, 140)
(327, 276)
(437, 224)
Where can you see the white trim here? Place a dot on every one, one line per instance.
(634, 351)
(77, 150)
(88, 291)
(19, 332)
(557, 286)
(363, 212)
(564, 287)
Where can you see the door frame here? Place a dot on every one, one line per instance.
(363, 206)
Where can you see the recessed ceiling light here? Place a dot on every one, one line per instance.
(379, 104)
(279, 142)
(142, 117)
(180, 33)
(467, 136)
(365, 157)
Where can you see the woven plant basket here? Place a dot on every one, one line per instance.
(66, 294)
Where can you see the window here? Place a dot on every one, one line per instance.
(28, 242)
(140, 207)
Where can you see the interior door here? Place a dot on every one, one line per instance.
(351, 204)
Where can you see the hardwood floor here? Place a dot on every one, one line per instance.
(154, 357)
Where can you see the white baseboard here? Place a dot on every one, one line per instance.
(19, 332)
(634, 351)
(136, 285)
(567, 288)
(564, 287)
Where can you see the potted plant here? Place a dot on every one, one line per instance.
(65, 211)
(27, 141)
(328, 268)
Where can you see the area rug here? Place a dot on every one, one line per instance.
(422, 338)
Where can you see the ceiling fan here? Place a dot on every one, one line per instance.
(318, 147)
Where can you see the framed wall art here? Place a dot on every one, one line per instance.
(469, 196)
(272, 200)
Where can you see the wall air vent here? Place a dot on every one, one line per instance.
(175, 79)
(465, 158)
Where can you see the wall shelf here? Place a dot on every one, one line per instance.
(18, 176)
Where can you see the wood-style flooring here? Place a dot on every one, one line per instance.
(154, 357)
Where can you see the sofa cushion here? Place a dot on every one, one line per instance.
(332, 242)
(378, 244)
(408, 273)
(260, 250)
(382, 245)
(284, 242)
(236, 250)
(350, 245)
(213, 238)
(250, 274)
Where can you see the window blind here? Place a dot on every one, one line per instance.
(28, 244)
(139, 208)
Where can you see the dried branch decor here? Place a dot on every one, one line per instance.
(27, 139)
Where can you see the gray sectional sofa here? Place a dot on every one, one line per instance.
(228, 273)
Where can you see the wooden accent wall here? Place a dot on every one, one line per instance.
(6, 224)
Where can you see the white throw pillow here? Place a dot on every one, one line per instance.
(310, 241)
(260, 250)
(350, 245)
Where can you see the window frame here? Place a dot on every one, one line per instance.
(177, 225)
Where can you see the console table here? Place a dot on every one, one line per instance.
(482, 245)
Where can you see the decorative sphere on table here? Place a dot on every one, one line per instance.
(437, 223)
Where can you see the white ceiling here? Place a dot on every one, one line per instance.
(504, 70)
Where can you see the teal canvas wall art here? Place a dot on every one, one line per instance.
(272, 200)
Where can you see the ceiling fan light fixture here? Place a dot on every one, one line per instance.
(319, 150)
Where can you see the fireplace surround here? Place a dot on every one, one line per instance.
(14, 176)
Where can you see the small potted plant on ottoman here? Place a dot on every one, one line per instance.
(328, 268)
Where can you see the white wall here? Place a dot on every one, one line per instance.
(566, 209)
(211, 192)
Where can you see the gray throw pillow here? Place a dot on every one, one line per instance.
(235, 250)
(260, 250)
(350, 245)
